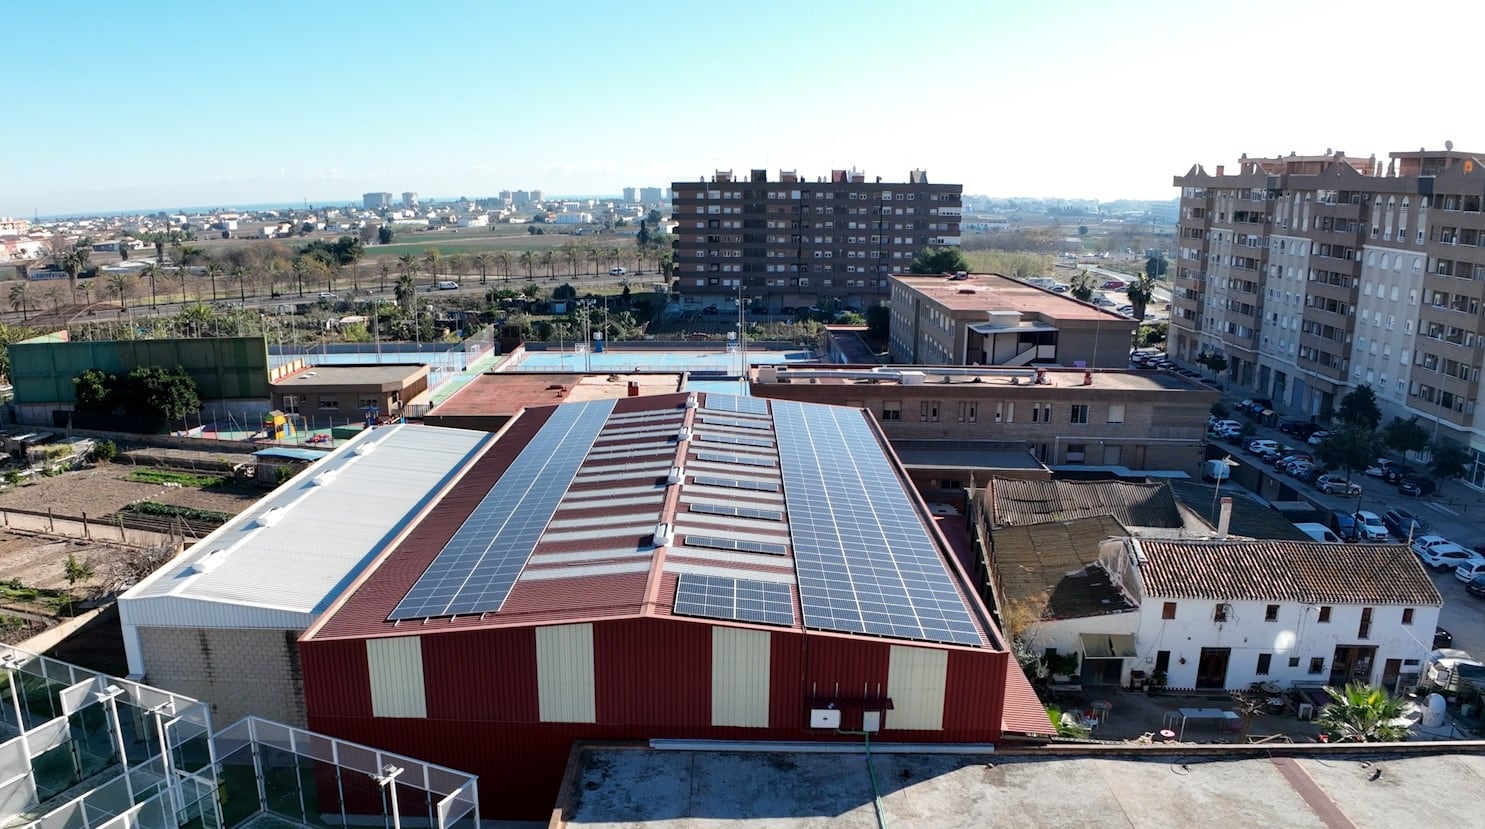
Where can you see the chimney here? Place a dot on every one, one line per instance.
(1220, 168)
(1224, 519)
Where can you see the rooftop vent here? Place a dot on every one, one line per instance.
(270, 517)
(325, 478)
(209, 562)
(683, 434)
(691, 400)
(664, 534)
(677, 474)
(366, 448)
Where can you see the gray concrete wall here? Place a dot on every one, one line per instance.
(238, 671)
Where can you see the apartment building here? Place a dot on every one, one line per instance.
(992, 320)
(795, 242)
(376, 201)
(1313, 275)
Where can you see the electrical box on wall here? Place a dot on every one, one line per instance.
(871, 721)
(824, 718)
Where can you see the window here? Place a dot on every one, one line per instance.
(1364, 630)
(1116, 413)
(1168, 611)
(291, 404)
(1263, 663)
(369, 403)
(1076, 453)
(1221, 612)
(1294, 662)
(891, 410)
(1317, 664)
(1325, 614)
(1079, 414)
(969, 411)
(329, 403)
(1271, 613)
(928, 411)
(1407, 616)
(1041, 412)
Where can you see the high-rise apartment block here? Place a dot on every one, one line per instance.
(799, 242)
(376, 201)
(651, 195)
(1313, 275)
(409, 199)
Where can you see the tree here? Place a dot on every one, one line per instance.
(240, 276)
(1215, 361)
(1156, 266)
(121, 285)
(75, 570)
(528, 261)
(549, 261)
(406, 292)
(433, 259)
(300, 266)
(1082, 286)
(213, 270)
(75, 262)
(1351, 447)
(19, 297)
(1448, 460)
(1220, 411)
(158, 391)
(1140, 292)
(95, 391)
(1362, 714)
(409, 265)
(503, 260)
(939, 260)
(384, 235)
(878, 322)
(483, 261)
(1082, 230)
(151, 272)
(1359, 408)
(1405, 435)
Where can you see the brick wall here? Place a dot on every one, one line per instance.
(239, 672)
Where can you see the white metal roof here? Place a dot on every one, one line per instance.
(283, 560)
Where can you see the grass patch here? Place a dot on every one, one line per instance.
(155, 508)
(13, 591)
(165, 476)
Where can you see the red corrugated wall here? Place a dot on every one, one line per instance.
(653, 680)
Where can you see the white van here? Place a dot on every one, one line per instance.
(1216, 470)
(448, 286)
(1319, 532)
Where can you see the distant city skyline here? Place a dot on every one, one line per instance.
(322, 102)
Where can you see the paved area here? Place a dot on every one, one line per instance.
(1321, 786)
(1132, 715)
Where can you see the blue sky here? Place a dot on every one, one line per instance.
(126, 105)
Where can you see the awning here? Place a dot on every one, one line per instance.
(1107, 645)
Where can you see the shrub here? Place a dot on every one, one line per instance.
(103, 451)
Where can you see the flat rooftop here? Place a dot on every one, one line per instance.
(993, 292)
(1111, 379)
(1315, 787)
(507, 393)
(351, 375)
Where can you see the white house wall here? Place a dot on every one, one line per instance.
(1297, 633)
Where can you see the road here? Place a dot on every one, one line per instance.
(1455, 512)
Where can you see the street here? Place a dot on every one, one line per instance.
(1454, 512)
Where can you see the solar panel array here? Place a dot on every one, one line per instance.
(729, 457)
(741, 600)
(736, 403)
(735, 483)
(736, 440)
(738, 422)
(741, 545)
(737, 512)
(864, 561)
(475, 570)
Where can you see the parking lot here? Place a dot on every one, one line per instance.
(1454, 512)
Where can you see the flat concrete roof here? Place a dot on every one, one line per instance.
(1103, 378)
(508, 392)
(993, 292)
(362, 375)
(611, 787)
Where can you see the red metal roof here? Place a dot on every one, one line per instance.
(1023, 712)
(595, 558)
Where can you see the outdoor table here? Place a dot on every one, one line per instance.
(1204, 714)
(1101, 707)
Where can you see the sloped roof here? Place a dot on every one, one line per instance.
(1015, 502)
(1307, 572)
(1249, 517)
(1056, 561)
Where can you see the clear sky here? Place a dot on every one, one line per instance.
(118, 105)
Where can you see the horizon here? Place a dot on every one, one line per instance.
(1083, 99)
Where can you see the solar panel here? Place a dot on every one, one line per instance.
(735, 483)
(736, 403)
(736, 421)
(738, 512)
(735, 440)
(864, 560)
(741, 600)
(728, 457)
(740, 544)
(474, 571)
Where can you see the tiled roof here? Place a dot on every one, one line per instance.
(1307, 572)
(1249, 518)
(1016, 502)
(1054, 563)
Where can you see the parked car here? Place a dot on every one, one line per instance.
(1126, 310)
(1300, 469)
(1449, 556)
(1397, 472)
(1442, 638)
(1344, 526)
(1298, 428)
(1319, 532)
(1227, 428)
(1263, 445)
(1417, 486)
(1372, 528)
(1111, 285)
(1379, 467)
(1476, 587)
(1404, 524)
(1337, 485)
(1422, 543)
(1469, 572)
(1311, 474)
(1316, 437)
(1443, 664)
(1272, 456)
(1283, 464)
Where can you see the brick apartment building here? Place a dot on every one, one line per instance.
(991, 320)
(1313, 275)
(793, 242)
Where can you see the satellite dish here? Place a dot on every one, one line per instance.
(1449, 146)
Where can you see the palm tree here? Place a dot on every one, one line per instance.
(386, 271)
(122, 285)
(549, 261)
(483, 261)
(406, 292)
(300, 266)
(240, 275)
(1362, 714)
(503, 260)
(213, 270)
(75, 262)
(595, 256)
(614, 255)
(19, 298)
(151, 271)
(528, 261)
(573, 255)
(433, 258)
(1140, 292)
(54, 295)
(456, 266)
(409, 264)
